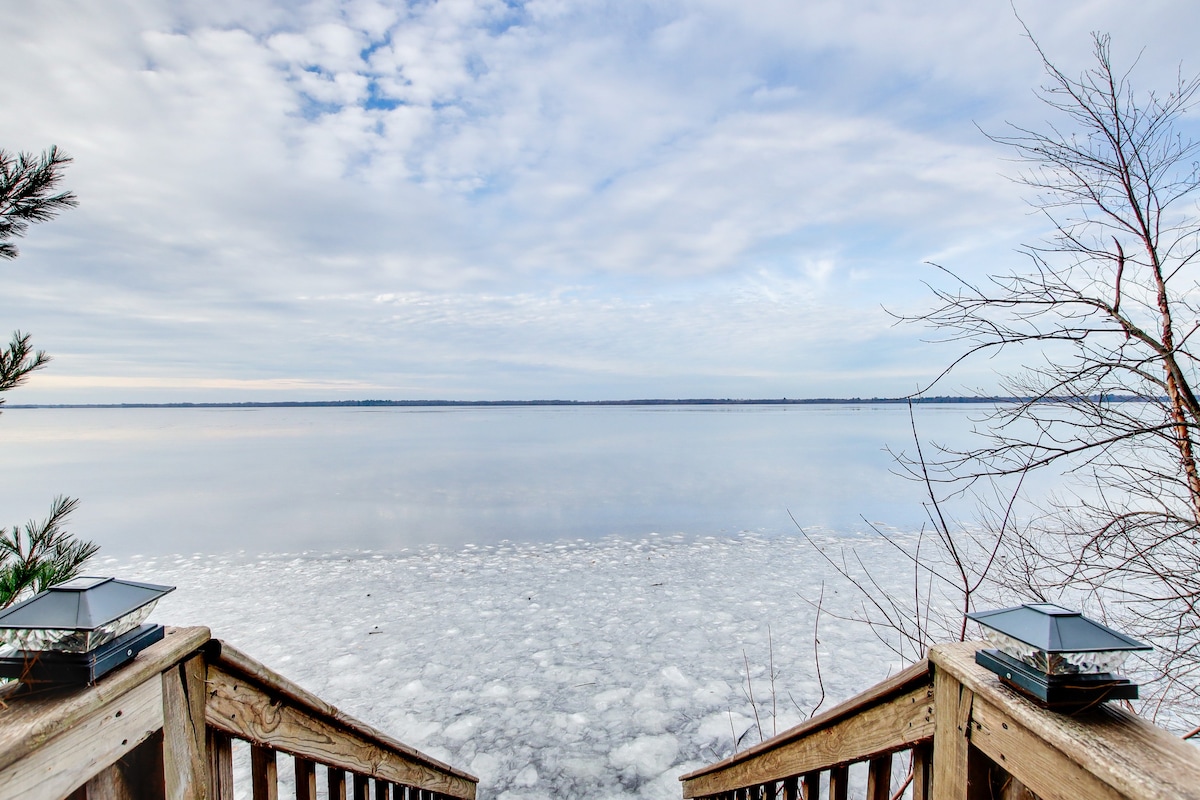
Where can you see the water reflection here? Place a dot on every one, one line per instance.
(215, 480)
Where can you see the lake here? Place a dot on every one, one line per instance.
(213, 480)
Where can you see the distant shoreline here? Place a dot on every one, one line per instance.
(783, 401)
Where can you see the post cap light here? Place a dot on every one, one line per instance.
(1061, 658)
(78, 630)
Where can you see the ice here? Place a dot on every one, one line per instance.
(567, 669)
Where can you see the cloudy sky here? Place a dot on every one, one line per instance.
(477, 199)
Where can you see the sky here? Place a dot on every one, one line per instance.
(485, 200)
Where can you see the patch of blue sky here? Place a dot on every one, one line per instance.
(378, 100)
(800, 71)
(368, 51)
(487, 186)
(514, 15)
(312, 109)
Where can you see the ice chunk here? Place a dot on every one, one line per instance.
(646, 756)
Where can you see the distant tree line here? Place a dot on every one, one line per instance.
(813, 401)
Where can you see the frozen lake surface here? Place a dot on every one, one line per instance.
(601, 669)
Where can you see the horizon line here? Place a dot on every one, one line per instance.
(942, 399)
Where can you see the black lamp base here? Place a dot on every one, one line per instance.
(45, 668)
(1065, 693)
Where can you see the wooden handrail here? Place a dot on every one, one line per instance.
(251, 702)
(889, 717)
(971, 738)
(163, 725)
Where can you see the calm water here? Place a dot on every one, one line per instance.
(286, 480)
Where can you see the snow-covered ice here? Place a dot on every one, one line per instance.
(568, 669)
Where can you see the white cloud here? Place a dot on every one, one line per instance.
(729, 189)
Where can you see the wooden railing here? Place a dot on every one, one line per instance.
(164, 727)
(968, 738)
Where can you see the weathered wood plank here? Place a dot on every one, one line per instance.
(1122, 751)
(69, 759)
(887, 726)
(27, 722)
(220, 764)
(1050, 774)
(185, 759)
(264, 774)
(245, 710)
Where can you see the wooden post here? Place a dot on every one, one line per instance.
(336, 781)
(306, 779)
(839, 782)
(362, 787)
(220, 765)
(952, 755)
(383, 789)
(770, 791)
(879, 778)
(791, 789)
(184, 740)
(264, 777)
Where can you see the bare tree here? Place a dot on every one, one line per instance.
(1103, 314)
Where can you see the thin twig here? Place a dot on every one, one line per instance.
(817, 651)
(750, 692)
(771, 661)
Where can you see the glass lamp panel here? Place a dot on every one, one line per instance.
(106, 633)
(1091, 663)
(1070, 663)
(73, 641)
(43, 639)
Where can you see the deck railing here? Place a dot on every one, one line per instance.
(969, 738)
(164, 727)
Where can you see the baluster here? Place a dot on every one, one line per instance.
(336, 781)
(879, 778)
(922, 767)
(383, 789)
(306, 779)
(220, 765)
(791, 789)
(839, 780)
(769, 791)
(264, 777)
(812, 786)
(362, 787)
